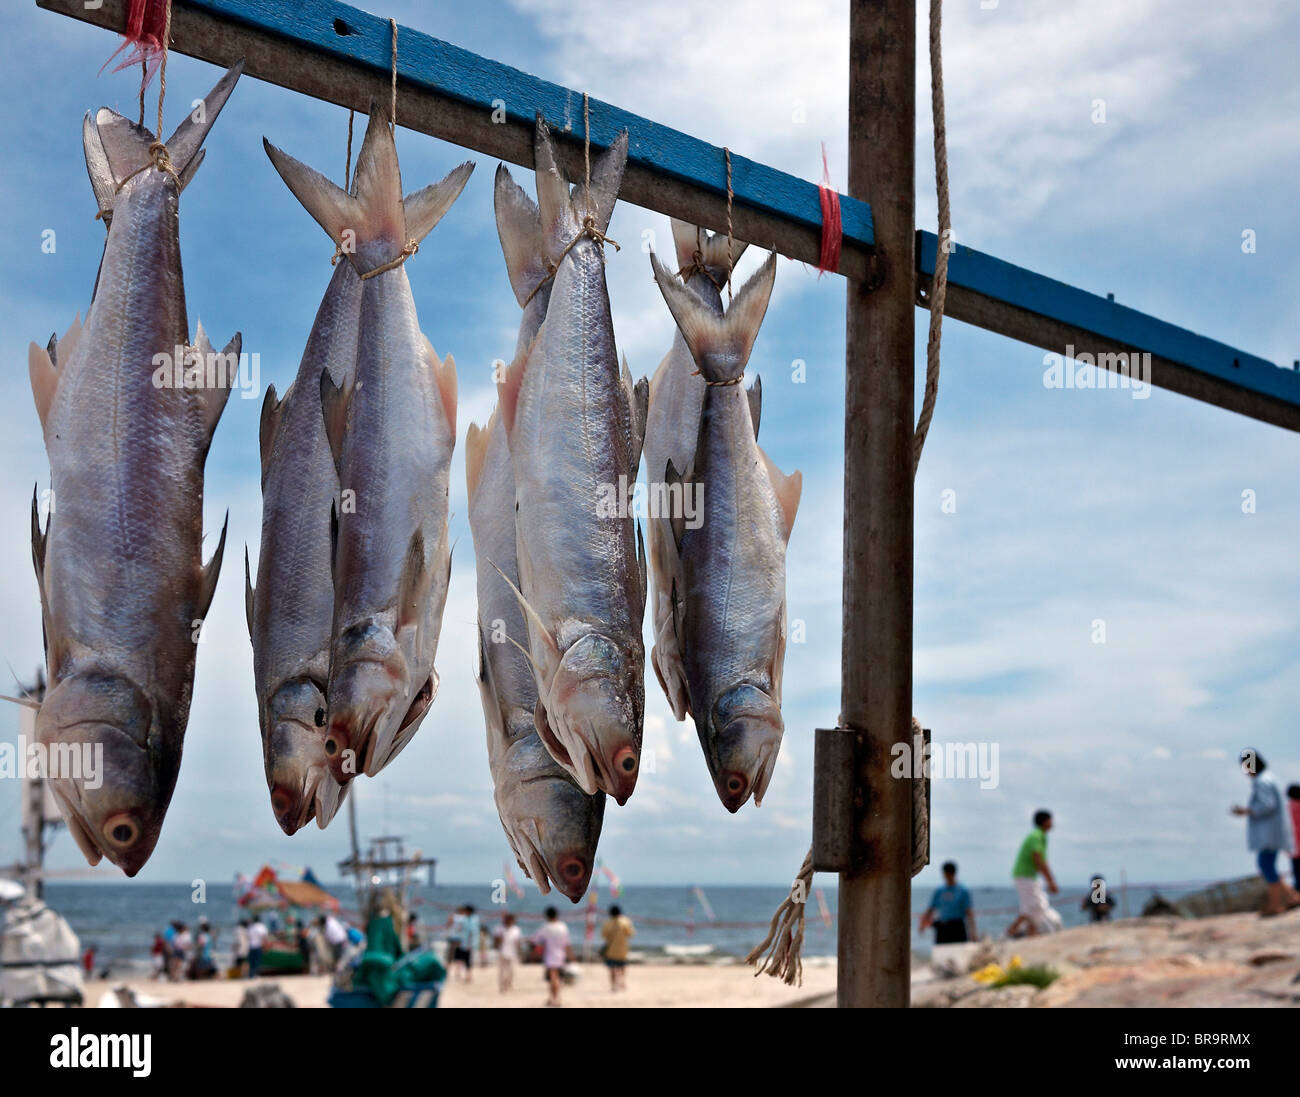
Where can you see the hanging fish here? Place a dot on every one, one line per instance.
(704, 260)
(730, 608)
(551, 824)
(123, 586)
(575, 424)
(391, 431)
(291, 612)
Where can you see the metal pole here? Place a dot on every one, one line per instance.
(876, 659)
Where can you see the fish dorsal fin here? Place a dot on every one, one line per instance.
(214, 397)
(787, 488)
(210, 572)
(38, 543)
(413, 586)
(44, 378)
(334, 408)
(248, 594)
(755, 394)
(508, 390)
(519, 227)
(444, 376)
(477, 442)
(640, 412)
(271, 411)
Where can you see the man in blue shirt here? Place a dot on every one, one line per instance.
(950, 910)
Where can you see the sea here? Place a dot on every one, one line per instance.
(685, 923)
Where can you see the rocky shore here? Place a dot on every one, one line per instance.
(1233, 960)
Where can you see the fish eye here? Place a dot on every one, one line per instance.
(331, 746)
(121, 831)
(320, 717)
(735, 784)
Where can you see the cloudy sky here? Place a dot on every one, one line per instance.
(1072, 506)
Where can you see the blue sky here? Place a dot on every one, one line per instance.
(1071, 506)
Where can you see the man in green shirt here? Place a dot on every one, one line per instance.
(1036, 913)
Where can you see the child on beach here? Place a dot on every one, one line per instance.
(556, 952)
(508, 941)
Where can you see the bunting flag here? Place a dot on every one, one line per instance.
(822, 907)
(704, 903)
(511, 883)
(614, 883)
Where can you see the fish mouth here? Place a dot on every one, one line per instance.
(295, 809)
(575, 744)
(570, 871)
(735, 786)
(526, 839)
(329, 797)
(381, 736)
(77, 826)
(122, 835)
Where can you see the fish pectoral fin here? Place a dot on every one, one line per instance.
(211, 570)
(44, 377)
(532, 616)
(271, 409)
(787, 488)
(677, 516)
(641, 565)
(413, 586)
(334, 538)
(755, 395)
(248, 594)
(334, 407)
(26, 702)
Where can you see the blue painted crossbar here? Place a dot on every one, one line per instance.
(337, 52)
(1014, 301)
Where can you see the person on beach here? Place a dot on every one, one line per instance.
(950, 910)
(336, 938)
(257, 934)
(556, 951)
(1266, 831)
(509, 938)
(1098, 903)
(617, 931)
(240, 949)
(180, 956)
(158, 954)
(1036, 913)
(1293, 799)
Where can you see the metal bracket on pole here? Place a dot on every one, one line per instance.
(839, 801)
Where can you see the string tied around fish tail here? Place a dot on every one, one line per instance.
(411, 248)
(696, 266)
(588, 228)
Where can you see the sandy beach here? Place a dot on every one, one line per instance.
(655, 985)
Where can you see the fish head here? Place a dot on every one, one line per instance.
(111, 784)
(593, 716)
(296, 771)
(747, 728)
(374, 707)
(553, 826)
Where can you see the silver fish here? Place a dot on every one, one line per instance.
(575, 425)
(291, 612)
(123, 586)
(730, 610)
(672, 429)
(391, 431)
(551, 824)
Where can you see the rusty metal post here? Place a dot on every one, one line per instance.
(876, 692)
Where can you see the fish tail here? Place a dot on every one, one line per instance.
(563, 213)
(519, 225)
(720, 345)
(710, 247)
(373, 225)
(117, 148)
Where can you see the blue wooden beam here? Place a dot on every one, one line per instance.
(1013, 301)
(334, 51)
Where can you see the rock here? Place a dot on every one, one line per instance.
(1017, 996)
(266, 996)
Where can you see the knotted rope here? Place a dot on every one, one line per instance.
(588, 228)
(784, 940)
